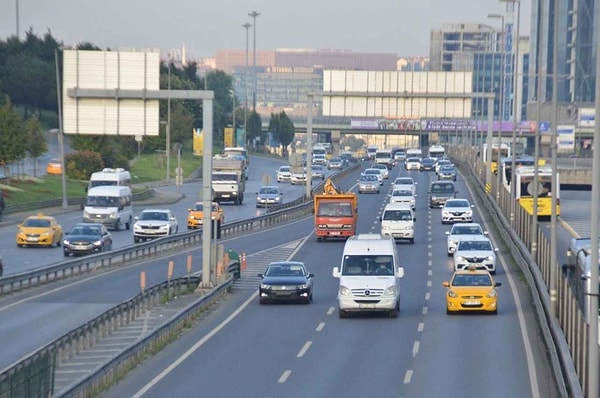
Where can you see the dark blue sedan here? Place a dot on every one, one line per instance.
(285, 281)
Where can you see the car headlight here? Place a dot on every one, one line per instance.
(459, 258)
(46, 233)
(303, 286)
(114, 214)
(385, 227)
(263, 286)
(445, 213)
(490, 258)
(322, 225)
(277, 199)
(409, 228)
(163, 227)
(344, 291)
(491, 294)
(66, 242)
(469, 212)
(136, 227)
(390, 291)
(452, 294)
(97, 243)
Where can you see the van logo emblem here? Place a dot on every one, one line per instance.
(367, 293)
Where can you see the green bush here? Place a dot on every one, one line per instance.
(81, 165)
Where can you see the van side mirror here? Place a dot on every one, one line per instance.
(400, 273)
(336, 272)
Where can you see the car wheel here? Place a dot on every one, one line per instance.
(128, 224)
(136, 239)
(58, 243)
(448, 312)
(342, 313)
(493, 272)
(395, 311)
(65, 253)
(118, 225)
(450, 254)
(262, 301)
(412, 240)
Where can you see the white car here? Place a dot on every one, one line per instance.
(154, 223)
(368, 183)
(476, 251)
(457, 210)
(284, 174)
(440, 163)
(405, 183)
(298, 178)
(384, 170)
(413, 164)
(404, 196)
(375, 172)
(462, 231)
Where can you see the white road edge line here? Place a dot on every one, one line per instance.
(408, 376)
(304, 348)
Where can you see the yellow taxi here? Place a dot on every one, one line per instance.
(196, 215)
(39, 230)
(54, 167)
(471, 290)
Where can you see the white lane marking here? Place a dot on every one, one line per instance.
(284, 376)
(207, 337)
(421, 327)
(331, 310)
(429, 263)
(304, 348)
(424, 310)
(428, 283)
(320, 326)
(408, 376)
(429, 272)
(415, 349)
(427, 296)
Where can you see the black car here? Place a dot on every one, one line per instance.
(427, 164)
(87, 238)
(285, 281)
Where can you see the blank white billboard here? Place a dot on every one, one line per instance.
(110, 70)
(381, 87)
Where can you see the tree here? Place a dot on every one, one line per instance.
(13, 144)
(282, 128)
(254, 123)
(38, 145)
(355, 144)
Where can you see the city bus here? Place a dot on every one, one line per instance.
(504, 152)
(507, 167)
(524, 190)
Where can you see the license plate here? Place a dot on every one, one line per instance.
(366, 306)
(225, 196)
(473, 302)
(334, 233)
(33, 239)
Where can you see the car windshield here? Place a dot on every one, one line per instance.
(37, 223)
(368, 178)
(442, 188)
(335, 210)
(380, 166)
(472, 280)
(372, 171)
(397, 215)
(102, 201)
(466, 230)
(285, 270)
(469, 245)
(85, 230)
(413, 160)
(457, 203)
(154, 215)
(401, 193)
(447, 168)
(284, 169)
(403, 181)
(367, 265)
(269, 191)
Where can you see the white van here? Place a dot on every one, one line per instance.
(109, 205)
(398, 221)
(119, 177)
(369, 275)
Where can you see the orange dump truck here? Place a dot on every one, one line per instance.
(336, 213)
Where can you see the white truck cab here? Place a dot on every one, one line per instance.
(369, 275)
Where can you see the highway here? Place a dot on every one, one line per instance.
(25, 258)
(29, 319)
(244, 349)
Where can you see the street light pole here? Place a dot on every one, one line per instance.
(168, 128)
(61, 144)
(246, 25)
(500, 107)
(254, 14)
(17, 14)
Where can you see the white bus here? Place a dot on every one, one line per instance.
(109, 177)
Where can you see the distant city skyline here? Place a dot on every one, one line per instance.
(383, 26)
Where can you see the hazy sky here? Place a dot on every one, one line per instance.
(392, 26)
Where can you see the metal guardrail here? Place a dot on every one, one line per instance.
(535, 269)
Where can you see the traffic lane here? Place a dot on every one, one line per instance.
(18, 260)
(266, 351)
(80, 301)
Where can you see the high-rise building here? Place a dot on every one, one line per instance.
(456, 40)
(576, 44)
